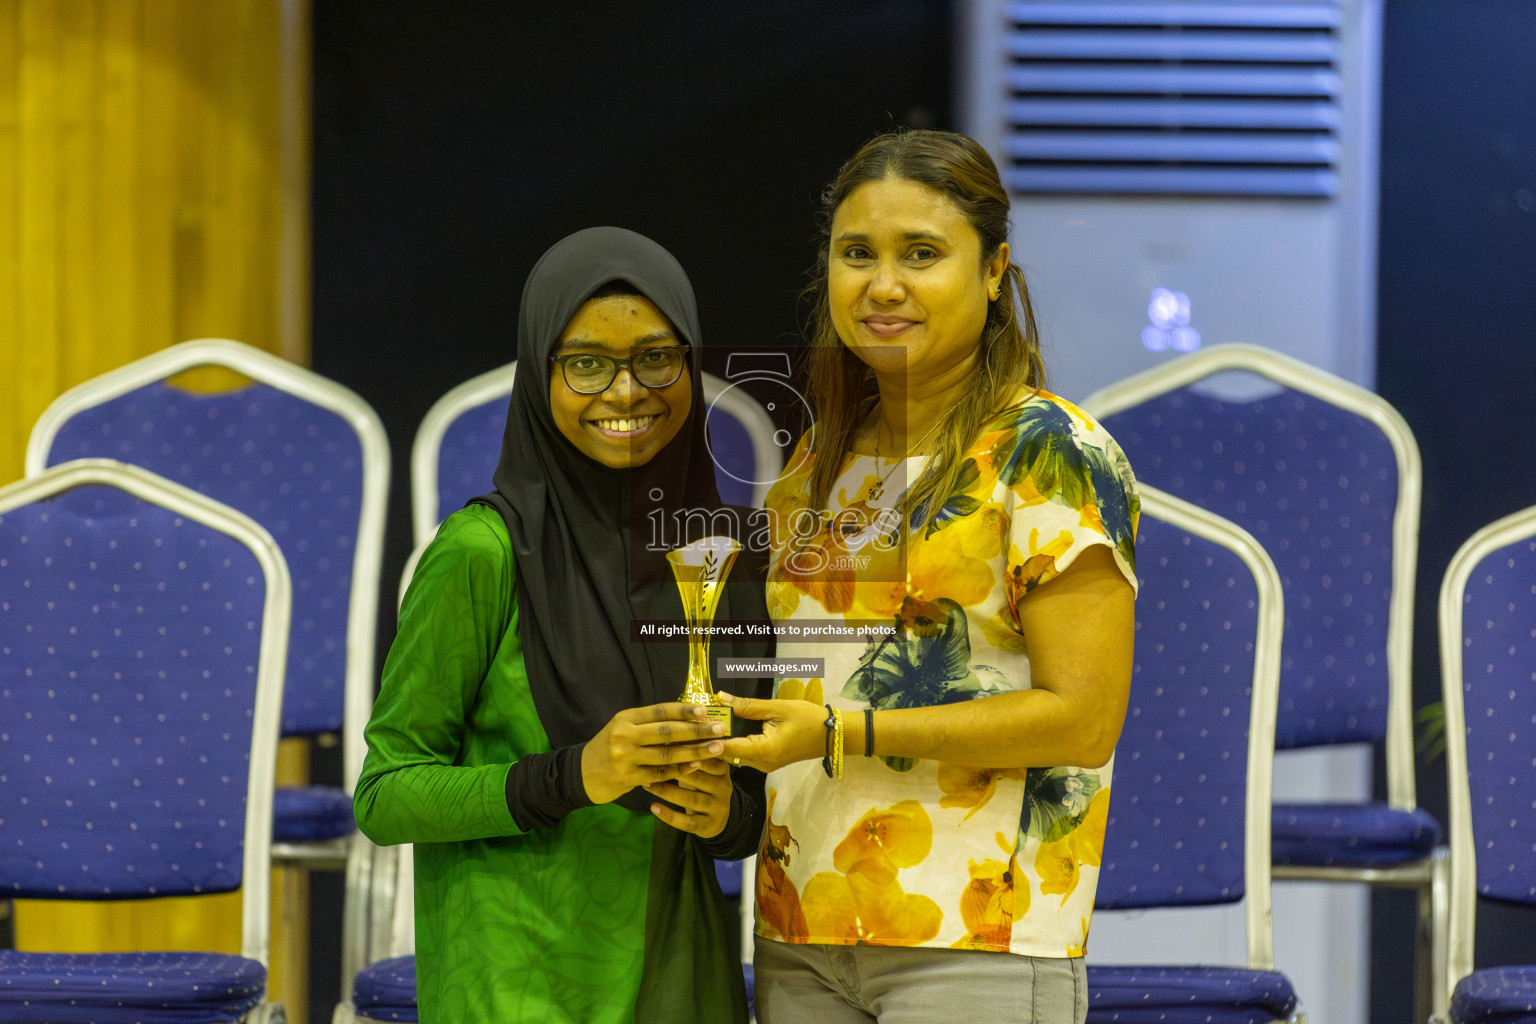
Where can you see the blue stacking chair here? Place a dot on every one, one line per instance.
(1326, 475)
(143, 634)
(306, 458)
(459, 442)
(1488, 672)
(1189, 807)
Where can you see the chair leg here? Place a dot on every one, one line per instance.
(1424, 955)
(267, 1013)
(1440, 934)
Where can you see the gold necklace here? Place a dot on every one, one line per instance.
(878, 487)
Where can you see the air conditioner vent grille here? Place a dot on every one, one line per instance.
(1150, 98)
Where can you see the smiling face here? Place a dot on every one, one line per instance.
(627, 424)
(906, 283)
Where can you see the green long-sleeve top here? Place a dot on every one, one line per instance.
(607, 916)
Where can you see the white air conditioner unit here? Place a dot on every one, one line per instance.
(1184, 174)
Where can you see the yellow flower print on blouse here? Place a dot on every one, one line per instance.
(996, 897)
(862, 902)
(956, 562)
(854, 909)
(1058, 863)
(884, 842)
(964, 786)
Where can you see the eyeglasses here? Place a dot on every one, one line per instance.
(589, 374)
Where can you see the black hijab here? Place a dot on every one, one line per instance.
(580, 529)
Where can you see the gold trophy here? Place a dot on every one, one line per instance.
(700, 569)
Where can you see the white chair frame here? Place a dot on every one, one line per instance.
(1458, 955)
(497, 383)
(358, 685)
(256, 860)
(1429, 874)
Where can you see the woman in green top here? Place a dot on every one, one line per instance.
(564, 806)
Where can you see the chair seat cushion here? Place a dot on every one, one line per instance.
(1199, 995)
(1498, 995)
(311, 812)
(1351, 835)
(728, 874)
(386, 990)
(119, 988)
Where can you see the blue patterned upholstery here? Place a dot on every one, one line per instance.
(386, 990)
(1498, 682)
(1176, 831)
(1354, 835)
(130, 651)
(297, 469)
(1498, 651)
(1208, 995)
(127, 675)
(1317, 486)
(126, 988)
(467, 457)
(290, 465)
(1498, 995)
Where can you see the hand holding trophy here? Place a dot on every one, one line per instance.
(700, 569)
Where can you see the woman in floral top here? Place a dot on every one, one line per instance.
(957, 546)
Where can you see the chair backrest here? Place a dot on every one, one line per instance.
(143, 634)
(1189, 811)
(300, 454)
(458, 445)
(1488, 675)
(1326, 475)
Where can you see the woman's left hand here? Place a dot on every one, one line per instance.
(704, 795)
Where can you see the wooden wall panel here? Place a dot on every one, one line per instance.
(153, 189)
(143, 199)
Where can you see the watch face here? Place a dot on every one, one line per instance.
(731, 440)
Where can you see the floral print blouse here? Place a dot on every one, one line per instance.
(904, 852)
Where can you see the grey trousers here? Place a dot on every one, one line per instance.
(816, 984)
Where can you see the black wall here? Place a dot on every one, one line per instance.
(455, 142)
(1456, 341)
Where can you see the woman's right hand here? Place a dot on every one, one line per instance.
(793, 730)
(644, 746)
